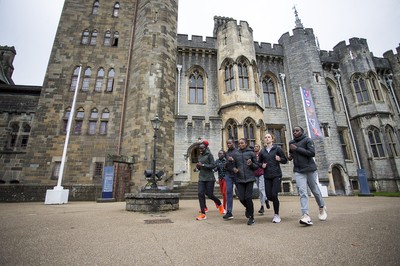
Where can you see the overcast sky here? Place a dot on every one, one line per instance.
(30, 25)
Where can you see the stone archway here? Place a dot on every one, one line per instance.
(194, 153)
(338, 181)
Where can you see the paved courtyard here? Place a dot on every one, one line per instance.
(359, 231)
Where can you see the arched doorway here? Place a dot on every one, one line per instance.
(193, 160)
(338, 181)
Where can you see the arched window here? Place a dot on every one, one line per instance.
(94, 115)
(375, 142)
(333, 95)
(269, 91)
(110, 80)
(232, 131)
(95, 9)
(86, 79)
(243, 75)
(13, 130)
(360, 89)
(392, 143)
(376, 91)
(116, 10)
(67, 113)
(249, 131)
(74, 79)
(99, 80)
(344, 143)
(26, 130)
(93, 39)
(104, 122)
(107, 38)
(80, 115)
(196, 87)
(115, 39)
(85, 37)
(229, 78)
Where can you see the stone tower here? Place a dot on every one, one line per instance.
(127, 53)
(303, 69)
(239, 98)
(151, 87)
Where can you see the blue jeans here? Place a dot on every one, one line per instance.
(261, 188)
(302, 181)
(229, 193)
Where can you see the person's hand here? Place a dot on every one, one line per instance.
(264, 165)
(290, 157)
(230, 158)
(278, 158)
(199, 165)
(235, 170)
(249, 162)
(293, 147)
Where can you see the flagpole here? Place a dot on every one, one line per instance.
(59, 195)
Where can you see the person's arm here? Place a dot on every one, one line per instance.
(309, 151)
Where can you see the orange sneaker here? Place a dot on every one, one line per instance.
(201, 216)
(221, 209)
(205, 210)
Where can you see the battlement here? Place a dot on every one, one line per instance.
(328, 56)
(196, 41)
(354, 43)
(267, 48)
(297, 34)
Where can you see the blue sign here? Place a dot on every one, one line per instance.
(108, 182)
(362, 179)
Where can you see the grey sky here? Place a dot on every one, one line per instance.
(30, 25)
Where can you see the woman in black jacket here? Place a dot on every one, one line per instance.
(245, 162)
(270, 158)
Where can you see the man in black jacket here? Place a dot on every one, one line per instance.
(302, 152)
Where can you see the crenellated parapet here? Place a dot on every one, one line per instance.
(196, 42)
(265, 48)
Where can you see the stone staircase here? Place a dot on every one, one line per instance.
(190, 191)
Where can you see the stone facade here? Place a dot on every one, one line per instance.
(129, 64)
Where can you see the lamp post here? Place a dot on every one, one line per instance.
(155, 123)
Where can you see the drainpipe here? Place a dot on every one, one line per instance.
(179, 67)
(337, 76)
(282, 76)
(389, 82)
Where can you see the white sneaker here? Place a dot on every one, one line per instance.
(276, 219)
(305, 219)
(322, 215)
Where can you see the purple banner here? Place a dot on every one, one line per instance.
(311, 116)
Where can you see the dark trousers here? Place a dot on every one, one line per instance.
(245, 194)
(206, 188)
(272, 188)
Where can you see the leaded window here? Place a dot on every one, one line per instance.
(196, 87)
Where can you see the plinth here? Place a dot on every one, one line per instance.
(152, 201)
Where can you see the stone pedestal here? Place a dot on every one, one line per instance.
(152, 201)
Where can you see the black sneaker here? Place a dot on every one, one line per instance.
(261, 211)
(228, 216)
(250, 221)
(267, 204)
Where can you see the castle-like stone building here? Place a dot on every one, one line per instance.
(128, 64)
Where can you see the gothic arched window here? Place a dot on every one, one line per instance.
(249, 131)
(375, 142)
(229, 78)
(99, 80)
(232, 131)
(196, 87)
(269, 92)
(243, 75)
(360, 89)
